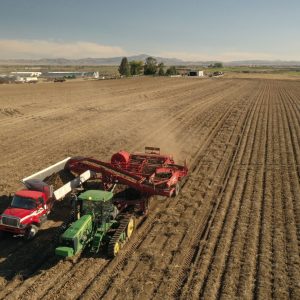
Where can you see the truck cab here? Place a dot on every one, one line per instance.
(30, 206)
(27, 211)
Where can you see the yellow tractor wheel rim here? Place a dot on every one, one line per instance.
(116, 248)
(130, 227)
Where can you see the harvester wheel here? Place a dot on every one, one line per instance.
(31, 232)
(130, 227)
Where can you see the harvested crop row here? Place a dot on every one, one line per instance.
(293, 258)
(191, 264)
(264, 277)
(232, 197)
(272, 221)
(293, 114)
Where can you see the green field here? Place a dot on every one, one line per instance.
(257, 69)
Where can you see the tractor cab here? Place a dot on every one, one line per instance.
(97, 203)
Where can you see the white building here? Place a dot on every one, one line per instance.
(96, 75)
(29, 79)
(27, 74)
(196, 73)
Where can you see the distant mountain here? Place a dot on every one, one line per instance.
(263, 63)
(116, 61)
(87, 61)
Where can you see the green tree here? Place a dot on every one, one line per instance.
(218, 65)
(136, 67)
(124, 68)
(171, 71)
(150, 66)
(161, 69)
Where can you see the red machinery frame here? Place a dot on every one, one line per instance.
(149, 172)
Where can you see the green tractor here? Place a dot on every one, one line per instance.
(97, 223)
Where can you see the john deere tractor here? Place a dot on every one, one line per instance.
(98, 224)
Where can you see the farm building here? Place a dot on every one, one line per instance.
(196, 73)
(71, 74)
(30, 79)
(184, 71)
(27, 74)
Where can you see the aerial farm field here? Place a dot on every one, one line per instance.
(234, 229)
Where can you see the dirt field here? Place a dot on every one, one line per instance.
(233, 231)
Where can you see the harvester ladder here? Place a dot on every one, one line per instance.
(96, 243)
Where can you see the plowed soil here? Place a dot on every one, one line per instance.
(234, 229)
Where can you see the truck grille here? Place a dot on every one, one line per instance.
(14, 222)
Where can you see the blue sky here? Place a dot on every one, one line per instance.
(190, 30)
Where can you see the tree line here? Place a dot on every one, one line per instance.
(149, 67)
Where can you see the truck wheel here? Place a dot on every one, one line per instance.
(31, 232)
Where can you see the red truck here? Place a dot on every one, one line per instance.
(30, 207)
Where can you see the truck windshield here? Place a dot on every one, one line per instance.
(22, 202)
